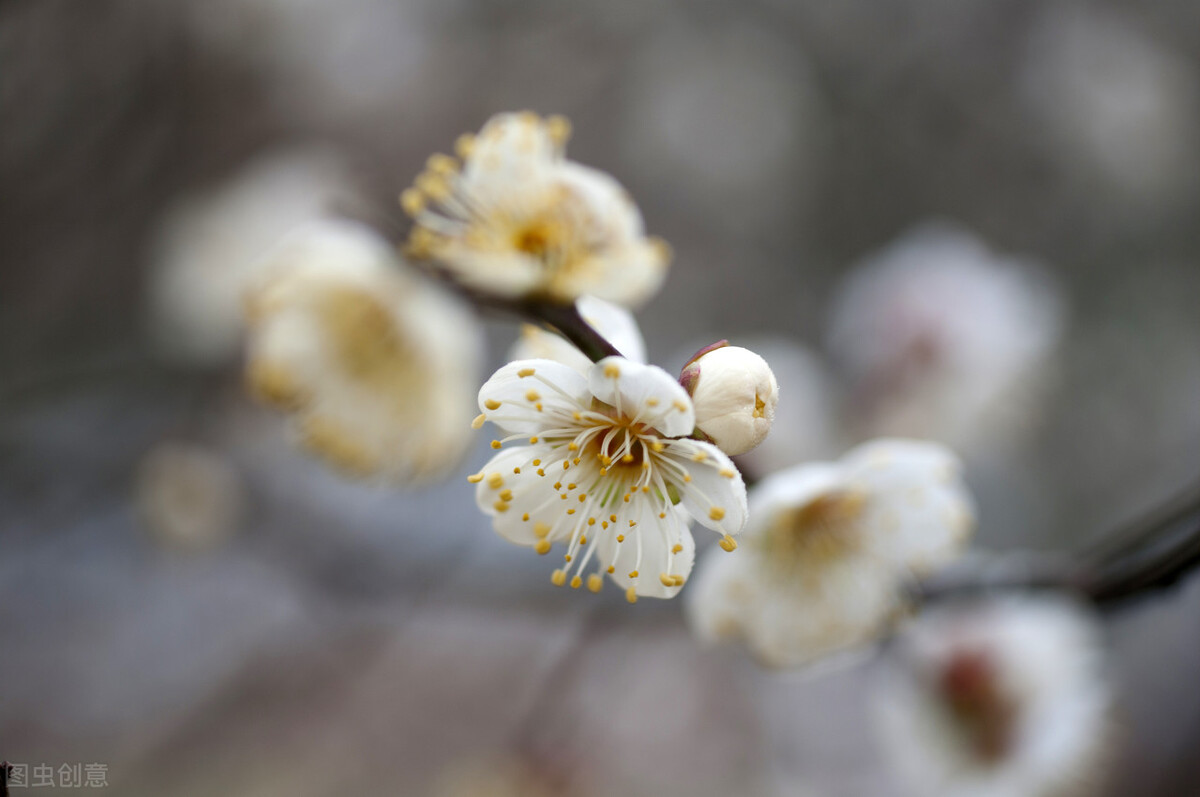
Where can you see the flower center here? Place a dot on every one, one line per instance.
(818, 532)
(978, 704)
(364, 338)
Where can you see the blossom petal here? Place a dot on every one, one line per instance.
(719, 596)
(666, 549)
(529, 396)
(524, 507)
(613, 322)
(646, 392)
(920, 512)
(511, 148)
(712, 491)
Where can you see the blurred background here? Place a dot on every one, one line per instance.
(288, 632)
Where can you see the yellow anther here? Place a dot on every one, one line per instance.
(563, 496)
(627, 458)
(492, 404)
(558, 485)
(687, 477)
(571, 486)
(532, 395)
(442, 164)
(576, 582)
(542, 547)
(613, 518)
(538, 406)
(627, 499)
(505, 495)
(699, 456)
(541, 472)
(412, 201)
(537, 462)
(577, 415)
(611, 569)
(525, 517)
(728, 543)
(633, 574)
(632, 523)
(595, 582)
(620, 538)
(572, 446)
(679, 405)
(591, 521)
(533, 440)
(576, 461)
(582, 497)
(679, 580)
(478, 421)
(558, 577)
(566, 557)
(604, 471)
(612, 371)
(496, 444)
(631, 595)
(464, 145)
(716, 513)
(558, 128)
(604, 459)
(582, 539)
(676, 548)
(500, 506)
(658, 446)
(566, 464)
(727, 473)
(541, 529)
(524, 372)
(662, 515)
(570, 511)
(475, 478)
(646, 489)
(667, 581)
(651, 402)
(517, 471)
(495, 481)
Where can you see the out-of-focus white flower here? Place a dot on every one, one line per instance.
(607, 470)
(1115, 103)
(735, 394)
(614, 323)
(208, 246)
(377, 364)
(828, 548)
(1001, 699)
(515, 218)
(188, 496)
(941, 339)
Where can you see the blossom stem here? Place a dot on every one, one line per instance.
(566, 319)
(1162, 552)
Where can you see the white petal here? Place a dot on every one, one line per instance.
(643, 391)
(720, 594)
(510, 148)
(503, 272)
(511, 397)
(713, 492)
(519, 502)
(919, 512)
(657, 536)
(793, 487)
(536, 343)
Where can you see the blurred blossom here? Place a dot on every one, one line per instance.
(614, 323)
(515, 218)
(377, 364)
(942, 339)
(806, 425)
(735, 395)
(828, 548)
(608, 470)
(491, 777)
(1005, 698)
(188, 496)
(730, 117)
(1114, 101)
(210, 244)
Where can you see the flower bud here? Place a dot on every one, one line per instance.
(734, 393)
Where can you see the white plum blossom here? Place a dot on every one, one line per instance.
(735, 394)
(941, 339)
(828, 549)
(208, 246)
(1003, 698)
(612, 321)
(514, 218)
(377, 365)
(604, 467)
